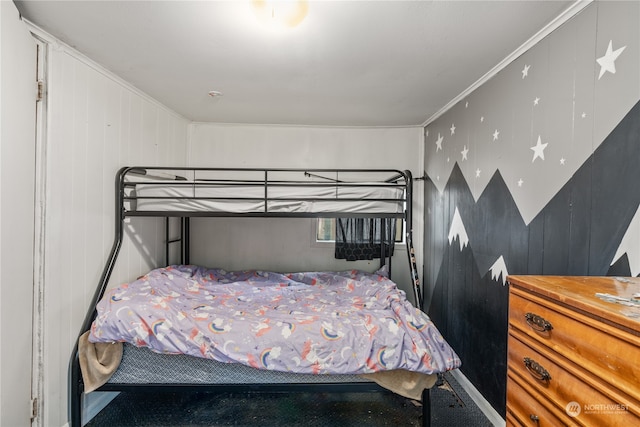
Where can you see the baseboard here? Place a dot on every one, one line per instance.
(479, 400)
(94, 403)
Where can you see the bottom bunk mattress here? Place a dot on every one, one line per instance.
(141, 366)
(329, 323)
(120, 366)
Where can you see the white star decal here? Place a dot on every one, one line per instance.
(562, 161)
(520, 182)
(482, 119)
(495, 134)
(439, 142)
(466, 105)
(525, 71)
(453, 129)
(427, 133)
(448, 159)
(584, 114)
(478, 173)
(608, 61)
(538, 149)
(464, 153)
(536, 101)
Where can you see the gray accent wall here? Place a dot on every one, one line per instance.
(534, 172)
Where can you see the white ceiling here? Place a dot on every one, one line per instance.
(350, 63)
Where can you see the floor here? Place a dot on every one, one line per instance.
(450, 404)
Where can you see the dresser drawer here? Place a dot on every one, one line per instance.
(609, 353)
(564, 387)
(526, 407)
(512, 421)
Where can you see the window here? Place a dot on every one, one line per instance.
(326, 230)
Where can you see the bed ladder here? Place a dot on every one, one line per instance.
(183, 239)
(415, 278)
(411, 253)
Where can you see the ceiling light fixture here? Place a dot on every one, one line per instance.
(281, 13)
(214, 93)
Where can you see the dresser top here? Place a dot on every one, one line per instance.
(589, 294)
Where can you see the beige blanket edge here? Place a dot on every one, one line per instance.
(98, 361)
(405, 383)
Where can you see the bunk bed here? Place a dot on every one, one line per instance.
(180, 194)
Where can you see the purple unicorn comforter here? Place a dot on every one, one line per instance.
(324, 323)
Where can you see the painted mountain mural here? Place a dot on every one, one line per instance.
(534, 171)
(590, 227)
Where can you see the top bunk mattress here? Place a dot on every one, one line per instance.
(244, 198)
(259, 191)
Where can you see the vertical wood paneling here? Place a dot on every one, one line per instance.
(123, 264)
(78, 215)
(580, 220)
(59, 200)
(96, 125)
(94, 161)
(111, 156)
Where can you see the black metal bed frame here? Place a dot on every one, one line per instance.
(123, 206)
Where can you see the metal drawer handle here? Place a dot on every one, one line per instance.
(538, 323)
(536, 370)
(535, 419)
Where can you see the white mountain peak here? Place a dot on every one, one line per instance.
(457, 230)
(499, 268)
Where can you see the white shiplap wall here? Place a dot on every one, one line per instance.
(287, 245)
(96, 124)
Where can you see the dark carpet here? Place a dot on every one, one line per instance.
(450, 406)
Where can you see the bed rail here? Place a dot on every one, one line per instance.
(264, 192)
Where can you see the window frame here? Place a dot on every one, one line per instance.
(315, 226)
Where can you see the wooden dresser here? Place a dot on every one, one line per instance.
(573, 357)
